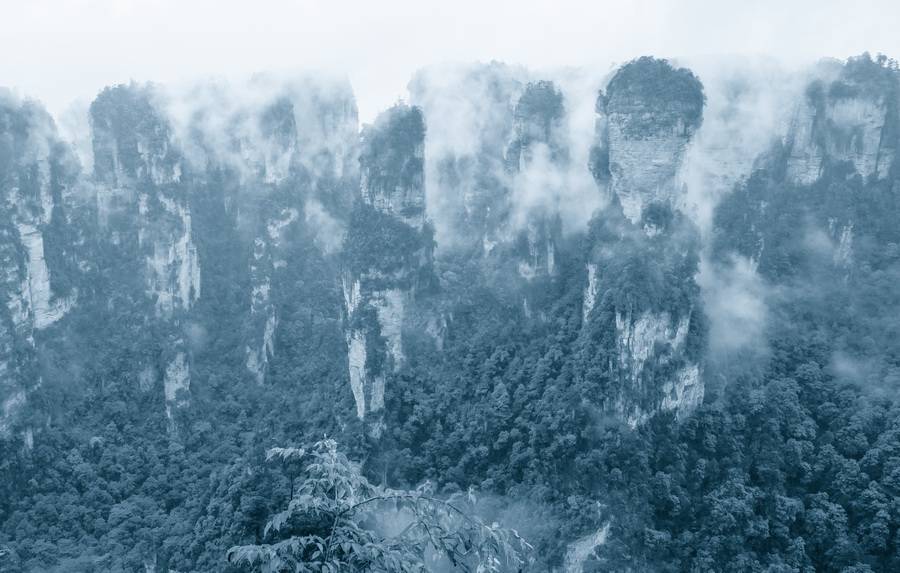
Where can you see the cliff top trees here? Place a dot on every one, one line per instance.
(538, 112)
(662, 92)
(392, 161)
(131, 136)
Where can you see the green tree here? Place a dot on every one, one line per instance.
(336, 520)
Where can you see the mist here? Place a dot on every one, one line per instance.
(469, 115)
(749, 106)
(736, 301)
(220, 121)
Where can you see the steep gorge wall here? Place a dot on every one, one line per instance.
(835, 164)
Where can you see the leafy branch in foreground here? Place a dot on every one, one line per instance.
(336, 520)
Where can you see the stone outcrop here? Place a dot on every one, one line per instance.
(537, 126)
(176, 382)
(652, 362)
(841, 143)
(131, 139)
(591, 291)
(279, 158)
(392, 163)
(300, 157)
(579, 551)
(842, 236)
(135, 158)
(263, 313)
(252, 175)
(141, 182)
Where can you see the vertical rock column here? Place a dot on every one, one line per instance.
(278, 141)
(535, 157)
(643, 247)
(388, 251)
(35, 171)
(303, 180)
(139, 172)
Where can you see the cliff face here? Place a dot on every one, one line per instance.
(537, 126)
(643, 321)
(294, 152)
(817, 218)
(269, 208)
(656, 337)
(37, 172)
(392, 166)
(848, 117)
(387, 251)
(651, 111)
(131, 140)
(276, 166)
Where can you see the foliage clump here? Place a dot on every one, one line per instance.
(128, 129)
(539, 111)
(391, 150)
(656, 95)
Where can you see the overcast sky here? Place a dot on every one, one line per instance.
(60, 50)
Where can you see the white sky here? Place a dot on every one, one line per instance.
(61, 50)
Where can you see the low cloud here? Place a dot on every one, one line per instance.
(222, 122)
(579, 196)
(75, 128)
(469, 115)
(328, 231)
(750, 103)
(736, 303)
